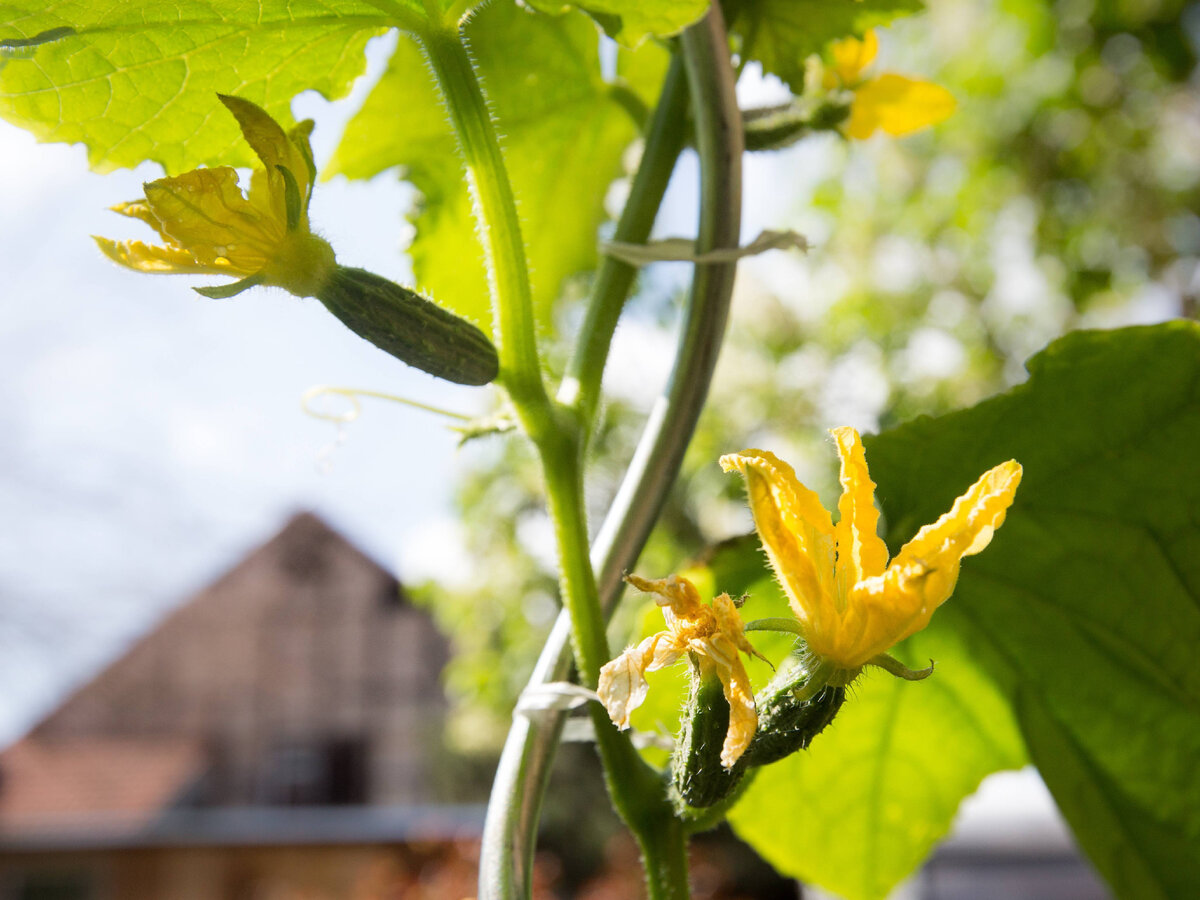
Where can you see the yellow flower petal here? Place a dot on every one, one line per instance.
(743, 718)
(269, 141)
(870, 607)
(140, 210)
(729, 622)
(924, 573)
(300, 137)
(851, 56)
(155, 260)
(713, 634)
(622, 687)
(204, 211)
(897, 105)
(723, 650)
(677, 594)
(666, 651)
(275, 148)
(796, 531)
(964, 531)
(861, 553)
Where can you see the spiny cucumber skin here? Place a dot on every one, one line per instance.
(696, 771)
(785, 726)
(780, 127)
(410, 327)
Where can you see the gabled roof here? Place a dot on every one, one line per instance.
(306, 571)
(305, 638)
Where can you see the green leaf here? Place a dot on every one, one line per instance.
(564, 129)
(632, 21)
(138, 81)
(1082, 618)
(781, 34)
(1086, 608)
(864, 805)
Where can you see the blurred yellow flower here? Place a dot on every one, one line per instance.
(209, 226)
(711, 634)
(894, 103)
(853, 605)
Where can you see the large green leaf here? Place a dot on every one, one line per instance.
(1086, 608)
(631, 21)
(781, 34)
(1080, 621)
(564, 128)
(137, 81)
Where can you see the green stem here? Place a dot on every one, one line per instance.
(524, 768)
(780, 623)
(664, 141)
(562, 465)
(664, 855)
(496, 211)
(638, 792)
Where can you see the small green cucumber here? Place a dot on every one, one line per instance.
(786, 725)
(777, 127)
(698, 777)
(410, 327)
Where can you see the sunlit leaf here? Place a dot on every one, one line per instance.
(1086, 608)
(631, 21)
(138, 81)
(781, 34)
(564, 130)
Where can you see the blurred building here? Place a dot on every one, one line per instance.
(277, 736)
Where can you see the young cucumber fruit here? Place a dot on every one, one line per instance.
(410, 327)
(785, 725)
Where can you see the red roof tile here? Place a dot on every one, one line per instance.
(124, 782)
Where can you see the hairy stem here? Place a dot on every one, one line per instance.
(510, 830)
(638, 791)
(500, 228)
(562, 465)
(664, 854)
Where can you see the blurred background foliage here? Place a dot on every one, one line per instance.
(1062, 194)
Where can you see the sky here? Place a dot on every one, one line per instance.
(155, 436)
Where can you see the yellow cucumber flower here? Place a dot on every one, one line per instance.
(209, 226)
(894, 103)
(852, 605)
(713, 635)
